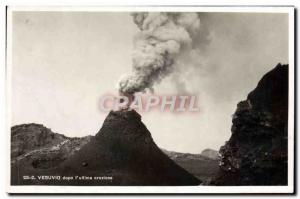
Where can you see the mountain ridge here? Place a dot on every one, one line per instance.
(56, 152)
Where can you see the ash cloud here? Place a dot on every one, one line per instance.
(160, 41)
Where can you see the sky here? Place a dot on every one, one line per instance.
(63, 62)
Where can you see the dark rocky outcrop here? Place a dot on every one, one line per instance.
(256, 153)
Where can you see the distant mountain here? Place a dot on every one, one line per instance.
(210, 153)
(204, 167)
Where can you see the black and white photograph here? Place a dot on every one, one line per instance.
(150, 99)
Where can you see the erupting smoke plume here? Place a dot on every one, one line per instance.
(162, 37)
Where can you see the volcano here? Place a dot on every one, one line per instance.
(122, 153)
(125, 150)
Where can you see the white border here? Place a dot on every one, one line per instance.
(157, 189)
(255, 9)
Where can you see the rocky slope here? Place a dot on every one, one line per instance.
(41, 147)
(256, 153)
(123, 151)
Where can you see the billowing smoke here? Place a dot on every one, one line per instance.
(162, 37)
